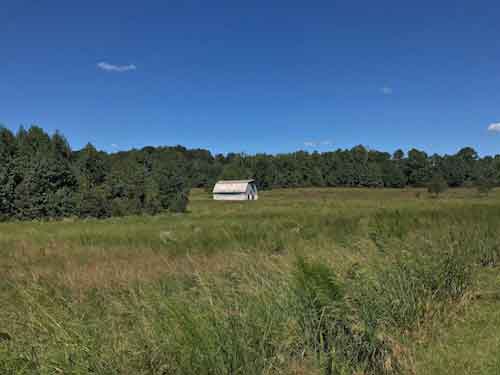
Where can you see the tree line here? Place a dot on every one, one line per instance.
(41, 177)
(361, 167)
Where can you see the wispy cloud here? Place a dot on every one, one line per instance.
(114, 145)
(326, 142)
(386, 90)
(107, 67)
(495, 127)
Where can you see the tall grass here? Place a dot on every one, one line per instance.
(329, 287)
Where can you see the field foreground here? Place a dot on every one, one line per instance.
(303, 281)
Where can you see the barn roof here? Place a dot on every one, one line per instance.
(232, 186)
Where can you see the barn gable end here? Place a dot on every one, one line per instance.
(235, 190)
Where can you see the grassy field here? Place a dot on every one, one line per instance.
(303, 281)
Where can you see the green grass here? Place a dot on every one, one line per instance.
(470, 342)
(303, 281)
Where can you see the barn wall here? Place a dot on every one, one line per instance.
(231, 197)
(251, 190)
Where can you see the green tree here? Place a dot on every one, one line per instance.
(417, 168)
(7, 195)
(7, 145)
(236, 170)
(173, 191)
(92, 165)
(93, 201)
(398, 155)
(437, 185)
(485, 185)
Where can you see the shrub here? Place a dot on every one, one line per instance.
(437, 185)
(485, 186)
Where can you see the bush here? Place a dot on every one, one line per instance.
(485, 186)
(437, 185)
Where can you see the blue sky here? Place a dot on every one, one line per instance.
(256, 76)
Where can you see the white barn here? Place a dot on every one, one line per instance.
(235, 190)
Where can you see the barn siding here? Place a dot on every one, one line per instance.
(240, 190)
(231, 197)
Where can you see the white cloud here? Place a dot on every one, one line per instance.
(114, 145)
(115, 68)
(495, 127)
(386, 90)
(326, 142)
